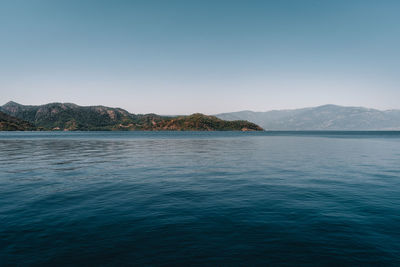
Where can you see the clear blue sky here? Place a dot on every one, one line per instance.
(180, 57)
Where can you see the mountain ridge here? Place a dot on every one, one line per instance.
(303, 108)
(69, 116)
(324, 117)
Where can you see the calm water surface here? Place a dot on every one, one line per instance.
(224, 198)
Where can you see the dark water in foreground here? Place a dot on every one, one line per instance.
(132, 198)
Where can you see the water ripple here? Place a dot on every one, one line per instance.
(200, 199)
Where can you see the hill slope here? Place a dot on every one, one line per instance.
(67, 116)
(9, 123)
(327, 117)
(200, 122)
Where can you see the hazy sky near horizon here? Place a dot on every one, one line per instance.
(180, 57)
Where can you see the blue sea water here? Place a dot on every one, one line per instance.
(200, 198)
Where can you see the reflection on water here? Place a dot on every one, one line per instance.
(200, 198)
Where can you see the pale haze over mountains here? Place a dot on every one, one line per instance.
(326, 117)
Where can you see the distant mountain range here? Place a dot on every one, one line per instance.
(327, 117)
(68, 116)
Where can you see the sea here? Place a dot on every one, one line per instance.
(200, 198)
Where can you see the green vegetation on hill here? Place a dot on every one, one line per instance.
(9, 123)
(67, 116)
(200, 122)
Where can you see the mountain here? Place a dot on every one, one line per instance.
(68, 116)
(326, 117)
(9, 123)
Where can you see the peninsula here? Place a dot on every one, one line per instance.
(71, 117)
